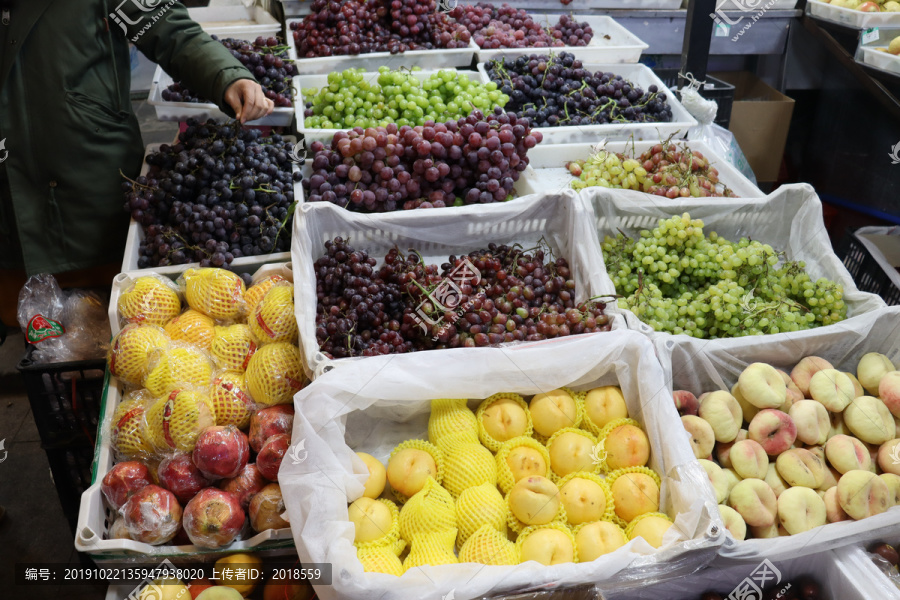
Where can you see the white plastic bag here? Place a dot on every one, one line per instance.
(708, 365)
(374, 404)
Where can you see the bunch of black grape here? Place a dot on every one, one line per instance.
(266, 58)
(349, 27)
(475, 160)
(518, 296)
(557, 90)
(219, 193)
(495, 27)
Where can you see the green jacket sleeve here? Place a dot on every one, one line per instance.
(164, 32)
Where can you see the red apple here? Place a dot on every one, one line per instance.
(868, 7)
(123, 480)
(245, 485)
(179, 475)
(266, 509)
(268, 461)
(198, 585)
(152, 515)
(213, 518)
(221, 452)
(268, 422)
(686, 403)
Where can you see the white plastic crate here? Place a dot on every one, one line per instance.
(842, 576)
(707, 365)
(872, 51)
(611, 43)
(95, 517)
(371, 406)
(181, 111)
(227, 21)
(789, 219)
(640, 75)
(851, 17)
(305, 82)
(245, 263)
(295, 8)
(558, 218)
(549, 162)
(443, 58)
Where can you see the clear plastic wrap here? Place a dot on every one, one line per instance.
(367, 407)
(179, 475)
(275, 373)
(221, 452)
(178, 365)
(216, 293)
(232, 346)
(231, 399)
(267, 508)
(268, 461)
(127, 429)
(245, 484)
(192, 327)
(132, 351)
(151, 299)
(88, 332)
(176, 420)
(272, 319)
(213, 518)
(270, 421)
(123, 481)
(152, 515)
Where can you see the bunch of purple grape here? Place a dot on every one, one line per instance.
(476, 159)
(219, 193)
(557, 90)
(506, 27)
(266, 58)
(349, 27)
(364, 311)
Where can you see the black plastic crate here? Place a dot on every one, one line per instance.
(72, 470)
(865, 270)
(65, 399)
(713, 89)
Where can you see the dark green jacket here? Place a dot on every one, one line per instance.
(66, 118)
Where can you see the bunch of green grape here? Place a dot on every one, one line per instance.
(678, 280)
(351, 99)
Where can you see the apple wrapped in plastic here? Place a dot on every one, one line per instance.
(179, 475)
(221, 452)
(123, 481)
(266, 509)
(152, 515)
(247, 484)
(268, 461)
(268, 422)
(213, 518)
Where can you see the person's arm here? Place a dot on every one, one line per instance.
(163, 31)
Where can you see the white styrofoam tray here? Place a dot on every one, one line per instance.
(708, 365)
(226, 21)
(851, 17)
(611, 43)
(136, 236)
(640, 75)
(95, 517)
(841, 575)
(560, 219)
(789, 219)
(372, 406)
(181, 111)
(320, 81)
(442, 58)
(549, 162)
(856, 564)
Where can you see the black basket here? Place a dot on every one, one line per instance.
(868, 275)
(72, 470)
(65, 399)
(713, 89)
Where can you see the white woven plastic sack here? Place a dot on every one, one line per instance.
(842, 576)
(558, 217)
(789, 219)
(375, 404)
(708, 365)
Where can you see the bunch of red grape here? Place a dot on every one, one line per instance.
(506, 27)
(476, 159)
(219, 193)
(266, 58)
(366, 311)
(348, 27)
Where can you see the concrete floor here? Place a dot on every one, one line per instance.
(34, 528)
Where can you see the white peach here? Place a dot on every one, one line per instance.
(734, 522)
(717, 478)
(700, 434)
(862, 494)
(871, 368)
(803, 372)
(800, 467)
(870, 420)
(762, 386)
(774, 430)
(723, 449)
(832, 388)
(723, 413)
(749, 460)
(812, 421)
(889, 391)
(800, 509)
(755, 501)
(889, 456)
(833, 511)
(846, 453)
(775, 480)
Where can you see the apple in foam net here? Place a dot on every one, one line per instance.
(525, 462)
(722, 411)
(534, 500)
(584, 500)
(409, 469)
(598, 538)
(605, 404)
(686, 402)
(377, 475)
(774, 430)
(803, 372)
(123, 481)
(552, 411)
(371, 519)
(504, 419)
(762, 386)
(571, 452)
(626, 446)
(548, 547)
(634, 494)
(700, 434)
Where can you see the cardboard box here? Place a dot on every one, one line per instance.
(760, 119)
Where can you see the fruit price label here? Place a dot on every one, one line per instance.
(870, 35)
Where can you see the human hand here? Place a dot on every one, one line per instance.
(248, 101)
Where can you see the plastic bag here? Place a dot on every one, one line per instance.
(63, 326)
(715, 136)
